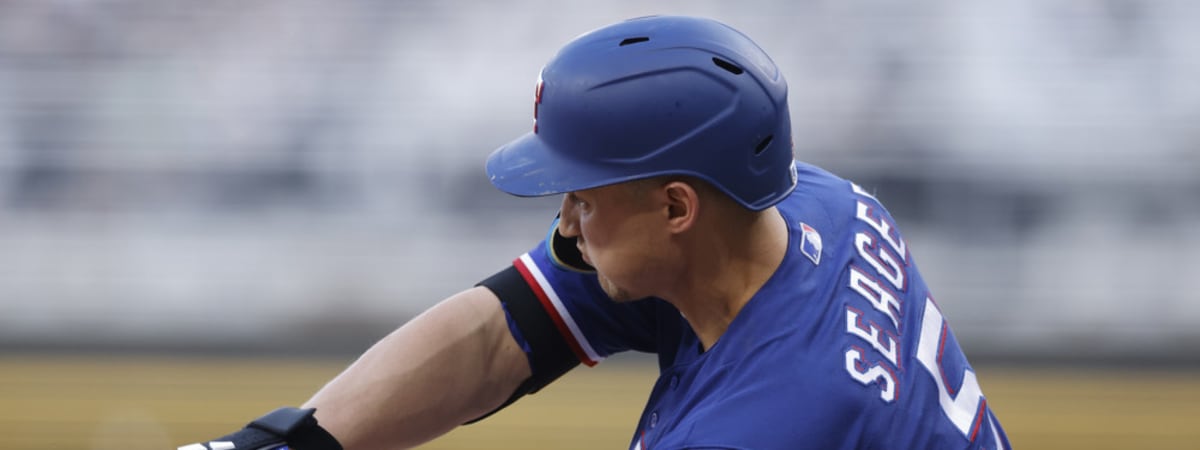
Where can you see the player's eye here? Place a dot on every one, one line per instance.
(581, 204)
(576, 201)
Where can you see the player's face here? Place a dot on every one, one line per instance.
(618, 233)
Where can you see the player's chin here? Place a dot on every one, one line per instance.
(615, 293)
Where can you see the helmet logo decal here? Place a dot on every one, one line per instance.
(537, 101)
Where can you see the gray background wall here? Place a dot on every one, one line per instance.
(307, 175)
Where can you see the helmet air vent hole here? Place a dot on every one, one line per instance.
(763, 145)
(633, 40)
(727, 66)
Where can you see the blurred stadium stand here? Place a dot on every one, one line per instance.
(304, 175)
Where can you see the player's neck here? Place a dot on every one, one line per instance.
(724, 273)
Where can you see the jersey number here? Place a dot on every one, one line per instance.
(965, 406)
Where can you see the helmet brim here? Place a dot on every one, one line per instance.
(528, 167)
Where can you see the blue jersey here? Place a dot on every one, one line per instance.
(842, 348)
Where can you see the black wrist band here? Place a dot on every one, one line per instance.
(292, 426)
(298, 428)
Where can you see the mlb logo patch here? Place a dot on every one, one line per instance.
(810, 243)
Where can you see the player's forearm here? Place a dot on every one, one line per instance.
(451, 364)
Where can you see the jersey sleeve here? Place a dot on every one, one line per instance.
(591, 324)
(560, 316)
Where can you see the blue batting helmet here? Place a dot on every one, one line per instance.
(656, 96)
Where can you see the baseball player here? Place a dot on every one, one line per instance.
(782, 301)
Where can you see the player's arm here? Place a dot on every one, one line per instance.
(453, 363)
(472, 354)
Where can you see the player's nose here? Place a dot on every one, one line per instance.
(568, 219)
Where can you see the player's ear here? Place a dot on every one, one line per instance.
(682, 205)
